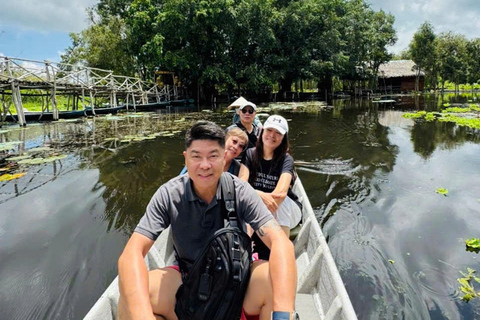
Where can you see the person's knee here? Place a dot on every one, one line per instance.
(163, 285)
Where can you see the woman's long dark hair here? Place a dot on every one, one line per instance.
(278, 155)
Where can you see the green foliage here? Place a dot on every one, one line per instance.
(422, 50)
(466, 285)
(225, 44)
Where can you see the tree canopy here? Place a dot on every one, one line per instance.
(226, 45)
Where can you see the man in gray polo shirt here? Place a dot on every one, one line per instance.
(190, 204)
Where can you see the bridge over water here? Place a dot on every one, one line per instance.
(82, 85)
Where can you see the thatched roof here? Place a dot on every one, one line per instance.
(398, 69)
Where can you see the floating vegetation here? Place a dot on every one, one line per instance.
(447, 105)
(442, 191)
(39, 149)
(8, 177)
(4, 131)
(19, 158)
(417, 115)
(391, 261)
(35, 161)
(111, 139)
(454, 116)
(473, 245)
(457, 110)
(5, 146)
(466, 285)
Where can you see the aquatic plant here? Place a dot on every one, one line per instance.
(456, 110)
(473, 245)
(430, 117)
(8, 177)
(416, 115)
(466, 285)
(442, 191)
(5, 146)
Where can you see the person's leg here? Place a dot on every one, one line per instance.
(259, 299)
(288, 215)
(163, 285)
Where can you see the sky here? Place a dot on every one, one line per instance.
(39, 30)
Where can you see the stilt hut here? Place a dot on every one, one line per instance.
(399, 76)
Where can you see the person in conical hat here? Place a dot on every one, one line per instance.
(236, 116)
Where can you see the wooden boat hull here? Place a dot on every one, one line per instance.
(108, 110)
(148, 106)
(47, 116)
(321, 294)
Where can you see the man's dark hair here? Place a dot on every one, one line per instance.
(205, 130)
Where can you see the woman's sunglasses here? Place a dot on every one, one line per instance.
(244, 110)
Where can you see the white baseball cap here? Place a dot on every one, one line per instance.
(276, 122)
(248, 104)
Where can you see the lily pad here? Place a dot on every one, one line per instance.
(39, 149)
(442, 191)
(9, 145)
(8, 177)
(31, 161)
(391, 261)
(19, 158)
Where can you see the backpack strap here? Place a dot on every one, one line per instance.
(228, 197)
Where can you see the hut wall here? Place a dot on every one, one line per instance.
(399, 84)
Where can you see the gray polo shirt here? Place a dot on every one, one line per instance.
(192, 220)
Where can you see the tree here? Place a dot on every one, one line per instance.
(473, 61)
(452, 56)
(422, 50)
(101, 46)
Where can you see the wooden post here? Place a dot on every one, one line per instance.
(53, 90)
(16, 97)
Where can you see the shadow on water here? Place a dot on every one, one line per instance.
(370, 174)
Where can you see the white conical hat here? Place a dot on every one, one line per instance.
(239, 102)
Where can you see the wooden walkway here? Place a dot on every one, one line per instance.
(82, 85)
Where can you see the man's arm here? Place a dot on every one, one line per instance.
(283, 269)
(133, 278)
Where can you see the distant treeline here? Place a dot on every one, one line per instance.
(249, 46)
(446, 57)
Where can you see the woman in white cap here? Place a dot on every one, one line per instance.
(270, 170)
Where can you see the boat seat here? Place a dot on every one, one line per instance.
(306, 307)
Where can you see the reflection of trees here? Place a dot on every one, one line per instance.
(427, 136)
(354, 140)
(132, 175)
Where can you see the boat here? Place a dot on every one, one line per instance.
(46, 116)
(104, 110)
(182, 102)
(148, 106)
(321, 294)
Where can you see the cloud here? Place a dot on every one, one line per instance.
(45, 16)
(458, 16)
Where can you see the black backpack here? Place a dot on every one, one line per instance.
(214, 287)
